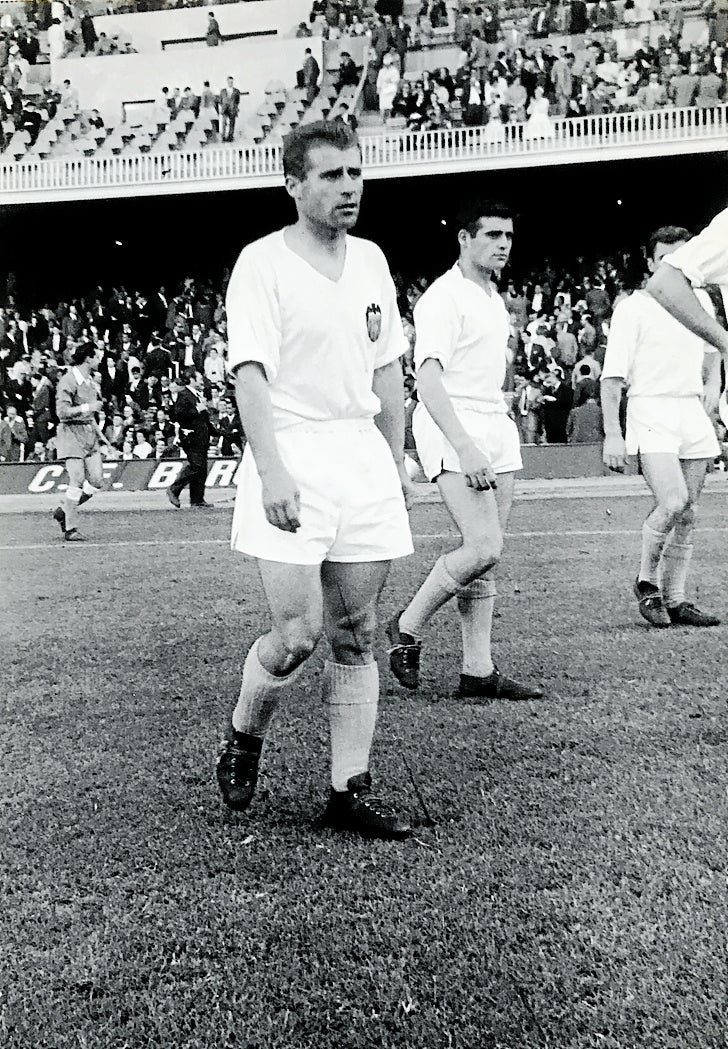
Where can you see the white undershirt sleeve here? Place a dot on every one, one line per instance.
(253, 316)
(437, 327)
(704, 259)
(621, 342)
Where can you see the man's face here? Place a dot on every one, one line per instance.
(329, 196)
(12, 412)
(490, 248)
(660, 251)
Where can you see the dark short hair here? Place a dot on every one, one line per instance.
(83, 352)
(470, 214)
(667, 235)
(298, 143)
(189, 373)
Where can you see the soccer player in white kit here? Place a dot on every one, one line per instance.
(315, 339)
(703, 260)
(468, 444)
(672, 377)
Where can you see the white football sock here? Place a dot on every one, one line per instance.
(70, 506)
(352, 693)
(652, 546)
(260, 693)
(436, 591)
(476, 602)
(674, 566)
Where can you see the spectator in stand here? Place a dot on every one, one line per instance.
(43, 406)
(586, 424)
(213, 37)
(652, 95)
(346, 117)
(400, 37)
(69, 99)
(598, 302)
(303, 31)
(115, 431)
(214, 367)
(88, 33)
(229, 107)
(558, 398)
(710, 88)
(387, 85)
(13, 436)
(348, 72)
(311, 73)
(142, 449)
(231, 438)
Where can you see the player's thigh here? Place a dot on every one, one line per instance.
(694, 471)
(351, 590)
(474, 512)
(93, 466)
(664, 476)
(295, 599)
(76, 472)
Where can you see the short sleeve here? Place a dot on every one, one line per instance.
(394, 344)
(437, 326)
(704, 259)
(621, 342)
(253, 314)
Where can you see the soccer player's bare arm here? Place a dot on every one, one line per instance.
(388, 385)
(614, 453)
(475, 465)
(281, 497)
(711, 382)
(672, 289)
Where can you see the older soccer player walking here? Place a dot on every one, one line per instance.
(315, 340)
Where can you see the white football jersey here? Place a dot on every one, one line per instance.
(318, 340)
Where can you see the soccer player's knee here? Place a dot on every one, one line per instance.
(675, 505)
(486, 552)
(300, 637)
(687, 516)
(354, 634)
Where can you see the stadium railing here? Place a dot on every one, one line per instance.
(262, 164)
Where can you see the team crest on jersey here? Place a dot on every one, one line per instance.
(374, 321)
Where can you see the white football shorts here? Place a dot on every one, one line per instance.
(352, 507)
(493, 432)
(676, 425)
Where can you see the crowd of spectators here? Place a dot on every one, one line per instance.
(147, 343)
(494, 84)
(559, 326)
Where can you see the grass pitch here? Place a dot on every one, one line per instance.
(572, 894)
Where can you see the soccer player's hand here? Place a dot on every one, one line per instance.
(94, 406)
(409, 488)
(477, 470)
(710, 398)
(614, 452)
(281, 501)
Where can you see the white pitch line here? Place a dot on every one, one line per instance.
(428, 535)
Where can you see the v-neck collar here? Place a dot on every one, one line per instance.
(310, 265)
